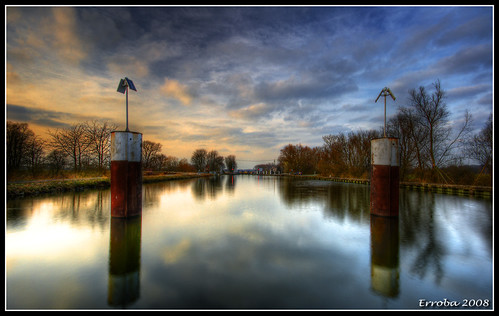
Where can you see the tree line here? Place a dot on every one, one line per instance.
(201, 160)
(80, 146)
(85, 147)
(431, 149)
(204, 161)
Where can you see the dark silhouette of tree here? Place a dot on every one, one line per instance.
(230, 163)
(149, 151)
(98, 136)
(72, 142)
(479, 147)
(429, 112)
(198, 159)
(214, 161)
(17, 139)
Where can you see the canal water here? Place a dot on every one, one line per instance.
(249, 242)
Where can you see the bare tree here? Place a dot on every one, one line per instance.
(171, 163)
(430, 113)
(56, 160)
(34, 154)
(198, 159)
(480, 146)
(72, 142)
(17, 139)
(214, 161)
(230, 163)
(412, 142)
(149, 151)
(158, 161)
(98, 136)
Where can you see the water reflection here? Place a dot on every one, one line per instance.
(385, 255)
(419, 233)
(213, 187)
(124, 261)
(91, 207)
(341, 200)
(208, 188)
(247, 242)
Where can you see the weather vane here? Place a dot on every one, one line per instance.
(123, 88)
(385, 92)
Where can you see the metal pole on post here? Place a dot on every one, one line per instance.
(384, 130)
(126, 93)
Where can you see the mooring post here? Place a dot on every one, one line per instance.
(385, 163)
(126, 174)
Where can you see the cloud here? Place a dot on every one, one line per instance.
(466, 60)
(248, 78)
(37, 116)
(475, 29)
(176, 90)
(468, 91)
(47, 118)
(251, 112)
(130, 66)
(66, 40)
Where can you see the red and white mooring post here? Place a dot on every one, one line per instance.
(385, 165)
(126, 174)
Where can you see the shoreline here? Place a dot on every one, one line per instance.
(37, 187)
(452, 189)
(34, 188)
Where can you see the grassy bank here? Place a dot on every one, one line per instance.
(30, 188)
(469, 190)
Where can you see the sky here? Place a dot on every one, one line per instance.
(242, 80)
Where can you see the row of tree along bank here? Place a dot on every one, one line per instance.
(83, 150)
(468, 190)
(432, 150)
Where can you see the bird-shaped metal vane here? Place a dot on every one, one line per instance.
(123, 88)
(385, 92)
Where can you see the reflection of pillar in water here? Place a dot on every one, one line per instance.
(385, 164)
(126, 174)
(385, 255)
(124, 261)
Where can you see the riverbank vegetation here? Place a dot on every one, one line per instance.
(82, 150)
(432, 149)
(30, 188)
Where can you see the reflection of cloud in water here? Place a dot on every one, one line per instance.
(174, 253)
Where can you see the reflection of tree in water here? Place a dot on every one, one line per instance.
(230, 184)
(152, 192)
(340, 200)
(90, 206)
(419, 232)
(211, 187)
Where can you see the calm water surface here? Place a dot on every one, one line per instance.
(248, 242)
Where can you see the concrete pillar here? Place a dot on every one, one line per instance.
(385, 164)
(385, 255)
(124, 261)
(126, 174)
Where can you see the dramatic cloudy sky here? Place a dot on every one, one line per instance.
(242, 80)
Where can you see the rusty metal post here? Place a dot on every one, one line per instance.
(385, 164)
(126, 174)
